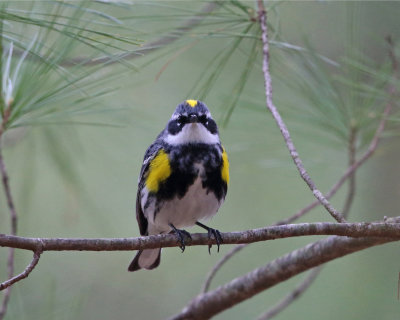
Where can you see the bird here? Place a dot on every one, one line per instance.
(183, 180)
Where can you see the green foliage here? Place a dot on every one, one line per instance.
(339, 99)
(42, 81)
(55, 58)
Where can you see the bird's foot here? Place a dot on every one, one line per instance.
(180, 235)
(212, 233)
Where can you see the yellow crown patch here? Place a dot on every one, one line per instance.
(191, 103)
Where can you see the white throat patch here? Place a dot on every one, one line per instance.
(192, 133)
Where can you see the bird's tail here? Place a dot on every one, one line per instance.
(146, 259)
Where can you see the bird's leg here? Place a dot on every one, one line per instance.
(212, 232)
(180, 234)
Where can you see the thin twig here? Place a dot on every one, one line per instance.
(219, 264)
(10, 273)
(278, 119)
(11, 207)
(23, 274)
(350, 170)
(292, 296)
(392, 55)
(306, 283)
(352, 178)
(7, 191)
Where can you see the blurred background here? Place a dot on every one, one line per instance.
(74, 168)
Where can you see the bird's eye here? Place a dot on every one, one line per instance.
(181, 120)
(203, 119)
(212, 126)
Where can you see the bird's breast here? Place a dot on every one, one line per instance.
(193, 191)
(198, 203)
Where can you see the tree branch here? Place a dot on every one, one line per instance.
(282, 127)
(211, 303)
(388, 229)
(24, 274)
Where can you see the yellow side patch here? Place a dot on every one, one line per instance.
(159, 171)
(192, 103)
(225, 166)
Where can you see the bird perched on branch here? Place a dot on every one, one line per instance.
(183, 180)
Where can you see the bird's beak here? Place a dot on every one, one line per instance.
(193, 118)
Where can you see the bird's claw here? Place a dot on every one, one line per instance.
(181, 234)
(217, 236)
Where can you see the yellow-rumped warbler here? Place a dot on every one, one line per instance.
(184, 179)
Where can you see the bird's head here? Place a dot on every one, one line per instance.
(192, 123)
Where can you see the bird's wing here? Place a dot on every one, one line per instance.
(151, 152)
